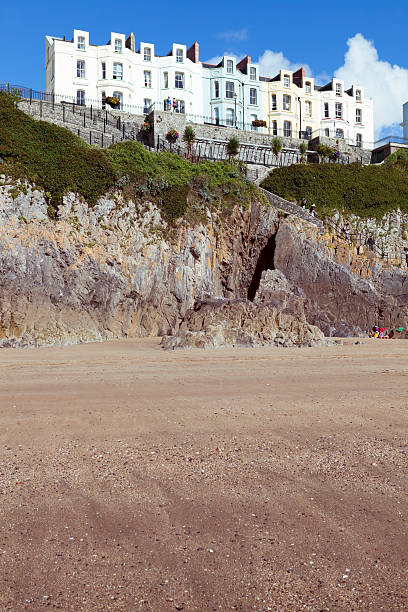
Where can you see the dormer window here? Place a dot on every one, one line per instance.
(286, 80)
(147, 54)
(308, 87)
(338, 89)
(81, 43)
(118, 45)
(252, 74)
(230, 66)
(179, 56)
(358, 95)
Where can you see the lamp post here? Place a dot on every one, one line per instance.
(300, 118)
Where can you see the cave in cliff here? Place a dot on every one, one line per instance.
(265, 262)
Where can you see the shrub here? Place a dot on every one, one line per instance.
(367, 191)
(232, 146)
(276, 144)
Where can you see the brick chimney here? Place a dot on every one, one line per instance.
(298, 77)
(243, 64)
(192, 52)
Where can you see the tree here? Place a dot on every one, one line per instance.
(189, 138)
(302, 150)
(233, 147)
(324, 152)
(276, 146)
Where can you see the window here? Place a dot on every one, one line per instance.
(287, 129)
(326, 110)
(308, 108)
(286, 80)
(252, 73)
(253, 96)
(253, 127)
(308, 132)
(338, 89)
(179, 56)
(274, 128)
(286, 102)
(274, 104)
(230, 117)
(179, 80)
(327, 132)
(147, 54)
(117, 71)
(146, 105)
(339, 110)
(216, 89)
(229, 89)
(80, 97)
(230, 66)
(180, 106)
(359, 115)
(216, 116)
(103, 99)
(339, 133)
(147, 78)
(165, 80)
(358, 95)
(81, 43)
(308, 87)
(80, 69)
(119, 96)
(118, 45)
(103, 70)
(359, 140)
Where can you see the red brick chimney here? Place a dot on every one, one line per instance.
(192, 53)
(298, 77)
(243, 64)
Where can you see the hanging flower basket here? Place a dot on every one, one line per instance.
(145, 127)
(172, 135)
(113, 101)
(258, 123)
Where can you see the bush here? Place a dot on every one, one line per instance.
(367, 191)
(276, 145)
(233, 146)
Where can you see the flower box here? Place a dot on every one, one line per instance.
(113, 101)
(258, 123)
(172, 135)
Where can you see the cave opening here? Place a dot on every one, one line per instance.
(265, 262)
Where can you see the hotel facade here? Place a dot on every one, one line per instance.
(230, 93)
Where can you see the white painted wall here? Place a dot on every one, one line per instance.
(405, 120)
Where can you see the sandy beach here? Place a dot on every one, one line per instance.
(239, 479)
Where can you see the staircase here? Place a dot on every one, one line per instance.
(291, 208)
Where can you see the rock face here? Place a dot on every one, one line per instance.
(216, 323)
(118, 270)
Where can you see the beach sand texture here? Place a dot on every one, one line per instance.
(238, 479)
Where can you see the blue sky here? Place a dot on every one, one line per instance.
(314, 33)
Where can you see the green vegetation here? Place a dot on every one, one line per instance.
(276, 145)
(189, 138)
(232, 147)
(57, 161)
(367, 191)
(398, 159)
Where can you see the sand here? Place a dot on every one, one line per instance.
(238, 479)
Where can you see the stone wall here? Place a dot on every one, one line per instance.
(354, 154)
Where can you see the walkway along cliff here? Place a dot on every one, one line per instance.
(118, 270)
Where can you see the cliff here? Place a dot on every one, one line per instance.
(119, 269)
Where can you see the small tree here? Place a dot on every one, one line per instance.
(302, 150)
(324, 152)
(189, 138)
(232, 147)
(276, 146)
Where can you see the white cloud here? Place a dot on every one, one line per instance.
(234, 35)
(271, 62)
(385, 83)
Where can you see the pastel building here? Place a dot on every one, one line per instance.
(232, 93)
(346, 113)
(291, 104)
(87, 73)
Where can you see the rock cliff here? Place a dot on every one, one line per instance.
(118, 270)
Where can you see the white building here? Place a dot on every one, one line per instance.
(232, 93)
(346, 114)
(87, 73)
(404, 123)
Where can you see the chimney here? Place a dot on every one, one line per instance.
(243, 64)
(298, 77)
(130, 42)
(192, 53)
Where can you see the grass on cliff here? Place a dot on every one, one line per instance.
(54, 159)
(366, 191)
